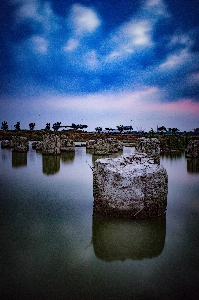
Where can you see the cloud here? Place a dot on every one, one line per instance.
(36, 12)
(177, 60)
(71, 45)
(39, 44)
(84, 20)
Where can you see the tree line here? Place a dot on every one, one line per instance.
(121, 128)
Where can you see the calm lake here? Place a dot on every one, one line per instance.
(52, 247)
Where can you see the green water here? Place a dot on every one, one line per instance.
(52, 247)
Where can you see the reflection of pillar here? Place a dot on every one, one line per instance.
(19, 159)
(193, 165)
(115, 239)
(67, 157)
(51, 164)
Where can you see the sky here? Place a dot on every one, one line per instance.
(100, 63)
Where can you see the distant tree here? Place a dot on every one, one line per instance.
(196, 131)
(32, 126)
(47, 126)
(120, 128)
(80, 126)
(17, 126)
(109, 129)
(174, 130)
(162, 129)
(56, 126)
(98, 129)
(129, 128)
(4, 125)
(151, 133)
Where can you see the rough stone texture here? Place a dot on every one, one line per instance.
(130, 186)
(149, 146)
(5, 144)
(37, 145)
(90, 144)
(51, 144)
(67, 145)
(19, 144)
(115, 239)
(107, 146)
(192, 149)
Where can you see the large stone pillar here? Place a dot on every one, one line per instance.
(51, 144)
(19, 144)
(130, 186)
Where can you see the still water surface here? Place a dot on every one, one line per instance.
(54, 248)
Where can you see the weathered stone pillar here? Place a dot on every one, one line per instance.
(130, 186)
(51, 144)
(67, 145)
(5, 144)
(90, 144)
(101, 147)
(19, 144)
(149, 146)
(192, 149)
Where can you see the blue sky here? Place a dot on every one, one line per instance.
(100, 63)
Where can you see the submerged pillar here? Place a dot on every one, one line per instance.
(51, 144)
(130, 186)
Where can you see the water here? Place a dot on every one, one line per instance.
(53, 248)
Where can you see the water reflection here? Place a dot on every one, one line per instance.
(126, 239)
(19, 159)
(51, 164)
(193, 165)
(67, 157)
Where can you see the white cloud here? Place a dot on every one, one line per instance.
(39, 44)
(176, 60)
(91, 60)
(137, 34)
(38, 12)
(71, 45)
(156, 8)
(181, 40)
(84, 20)
(131, 36)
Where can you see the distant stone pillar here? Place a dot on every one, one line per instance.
(67, 145)
(192, 150)
(51, 144)
(101, 147)
(19, 144)
(90, 144)
(5, 144)
(149, 146)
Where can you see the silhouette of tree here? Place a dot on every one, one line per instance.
(56, 126)
(17, 126)
(162, 129)
(4, 125)
(47, 126)
(120, 128)
(98, 129)
(32, 126)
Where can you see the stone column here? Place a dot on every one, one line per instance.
(130, 186)
(19, 144)
(51, 144)
(149, 146)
